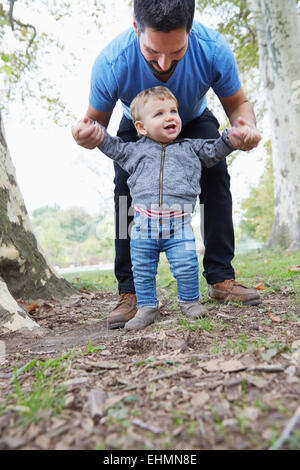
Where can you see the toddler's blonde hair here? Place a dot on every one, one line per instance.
(160, 92)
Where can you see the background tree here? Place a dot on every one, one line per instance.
(24, 270)
(278, 29)
(265, 38)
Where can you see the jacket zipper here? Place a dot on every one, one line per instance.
(163, 151)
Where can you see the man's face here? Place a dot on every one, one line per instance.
(162, 51)
(160, 120)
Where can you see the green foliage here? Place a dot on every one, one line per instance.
(74, 222)
(29, 35)
(237, 25)
(45, 396)
(258, 208)
(70, 236)
(45, 210)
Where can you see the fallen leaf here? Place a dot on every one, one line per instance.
(29, 307)
(226, 366)
(275, 318)
(43, 442)
(211, 366)
(74, 383)
(105, 352)
(178, 344)
(296, 344)
(106, 365)
(161, 336)
(296, 356)
(112, 401)
(269, 354)
(260, 286)
(233, 393)
(251, 413)
(291, 370)
(231, 366)
(87, 424)
(96, 400)
(256, 380)
(13, 442)
(199, 399)
(267, 434)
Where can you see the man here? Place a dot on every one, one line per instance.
(166, 47)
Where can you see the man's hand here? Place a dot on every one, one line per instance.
(88, 134)
(249, 136)
(236, 137)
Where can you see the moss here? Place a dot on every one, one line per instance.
(5, 315)
(2, 138)
(30, 283)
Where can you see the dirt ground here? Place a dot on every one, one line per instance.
(229, 381)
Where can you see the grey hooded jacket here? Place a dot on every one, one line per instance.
(165, 176)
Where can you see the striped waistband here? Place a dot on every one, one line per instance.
(160, 213)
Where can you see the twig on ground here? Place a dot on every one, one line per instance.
(287, 431)
(146, 426)
(154, 379)
(267, 368)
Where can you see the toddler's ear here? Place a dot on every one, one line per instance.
(140, 128)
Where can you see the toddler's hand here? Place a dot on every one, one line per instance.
(250, 135)
(87, 133)
(236, 136)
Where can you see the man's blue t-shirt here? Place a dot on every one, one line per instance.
(121, 72)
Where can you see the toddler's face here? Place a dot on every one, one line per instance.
(160, 120)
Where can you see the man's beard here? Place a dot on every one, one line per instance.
(161, 73)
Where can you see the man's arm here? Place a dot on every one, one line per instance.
(89, 136)
(212, 151)
(240, 113)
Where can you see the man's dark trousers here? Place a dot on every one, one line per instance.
(215, 195)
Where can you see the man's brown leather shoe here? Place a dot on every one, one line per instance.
(230, 290)
(123, 312)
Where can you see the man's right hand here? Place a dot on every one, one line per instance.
(86, 134)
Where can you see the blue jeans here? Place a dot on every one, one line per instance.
(174, 236)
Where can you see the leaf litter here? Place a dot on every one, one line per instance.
(233, 383)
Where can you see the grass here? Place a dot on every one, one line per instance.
(271, 268)
(43, 396)
(93, 280)
(36, 390)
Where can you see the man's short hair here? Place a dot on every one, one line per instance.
(164, 15)
(159, 92)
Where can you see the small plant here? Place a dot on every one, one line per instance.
(201, 323)
(45, 396)
(145, 362)
(91, 348)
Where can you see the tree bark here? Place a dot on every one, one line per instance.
(24, 271)
(278, 30)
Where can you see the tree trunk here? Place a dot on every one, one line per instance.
(24, 271)
(278, 29)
